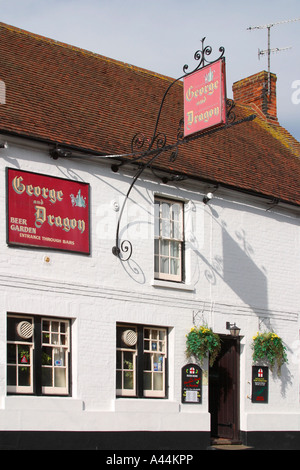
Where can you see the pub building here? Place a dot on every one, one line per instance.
(129, 224)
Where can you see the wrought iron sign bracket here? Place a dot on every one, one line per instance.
(146, 150)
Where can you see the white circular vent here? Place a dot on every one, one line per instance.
(129, 337)
(25, 329)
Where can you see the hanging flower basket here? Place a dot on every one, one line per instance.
(269, 346)
(203, 342)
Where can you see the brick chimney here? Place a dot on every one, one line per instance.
(254, 91)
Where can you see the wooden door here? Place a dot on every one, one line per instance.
(224, 391)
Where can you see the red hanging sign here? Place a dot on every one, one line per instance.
(205, 98)
(47, 212)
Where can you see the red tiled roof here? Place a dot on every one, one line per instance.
(59, 93)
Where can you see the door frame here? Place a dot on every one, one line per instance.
(235, 343)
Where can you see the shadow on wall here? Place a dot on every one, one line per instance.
(241, 274)
(236, 268)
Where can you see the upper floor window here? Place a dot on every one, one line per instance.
(169, 237)
(38, 351)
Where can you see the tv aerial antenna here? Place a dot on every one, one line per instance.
(269, 50)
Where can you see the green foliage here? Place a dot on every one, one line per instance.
(201, 342)
(269, 346)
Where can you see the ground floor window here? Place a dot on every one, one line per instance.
(38, 355)
(141, 361)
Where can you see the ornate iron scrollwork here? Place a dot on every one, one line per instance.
(200, 57)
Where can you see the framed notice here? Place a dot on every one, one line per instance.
(205, 98)
(47, 212)
(260, 384)
(191, 384)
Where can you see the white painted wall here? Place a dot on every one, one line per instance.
(242, 265)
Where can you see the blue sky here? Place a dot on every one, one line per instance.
(162, 35)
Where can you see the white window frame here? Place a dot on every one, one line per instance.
(57, 340)
(152, 351)
(55, 343)
(157, 349)
(123, 369)
(21, 389)
(168, 238)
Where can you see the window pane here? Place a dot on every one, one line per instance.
(165, 210)
(165, 228)
(176, 209)
(164, 265)
(157, 381)
(128, 360)
(157, 363)
(60, 377)
(165, 247)
(46, 356)
(23, 354)
(119, 360)
(174, 249)
(119, 380)
(54, 338)
(55, 325)
(11, 375)
(174, 266)
(147, 362)
(59, 357)
(176, 232)
(47, 377)
(147, 333)
(147, 381)
(161, 335)
(128, 380)
(46, 338)
(11, 354)
(24, 376)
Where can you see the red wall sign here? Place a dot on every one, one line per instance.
(47, 212)
(205, 98)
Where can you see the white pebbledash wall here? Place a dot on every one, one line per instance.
(242, 265)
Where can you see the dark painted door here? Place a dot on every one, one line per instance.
(223, 391)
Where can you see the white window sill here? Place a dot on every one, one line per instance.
(172, 285)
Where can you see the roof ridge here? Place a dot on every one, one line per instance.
(85, 52)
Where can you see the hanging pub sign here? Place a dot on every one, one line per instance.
(47, 212)
(260, 384)
(191, 384)
(205, 98)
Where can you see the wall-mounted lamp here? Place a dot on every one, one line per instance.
(234, 330)
(3, 145)
(207, 197)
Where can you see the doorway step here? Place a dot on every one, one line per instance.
(227, 444)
